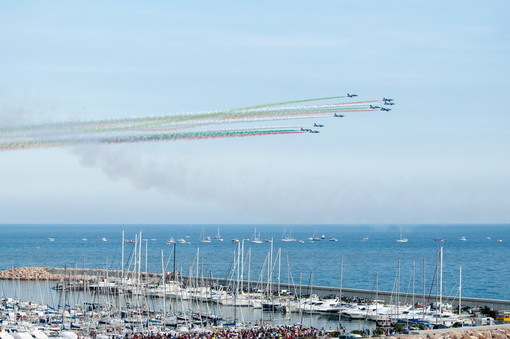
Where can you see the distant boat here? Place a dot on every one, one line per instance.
(84, 239)
(269, 240)
(333, 239)
(51, 239)
(402, 239)
(235, 241)
(323, 236)
(181, 241)
(218, 236)
(314, 238)
(104, 239)
(287, 237)
(205, 239)
(437, 238)
(365, 239)
(488, 238)
(462, 239)
(170, 241)
(301, 241)
(499, 240)
(130, 241)
(256, 239)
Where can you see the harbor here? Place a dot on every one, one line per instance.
(145, 286)
(68, 275)
(116, 302)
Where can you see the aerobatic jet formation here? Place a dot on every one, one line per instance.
(193, 126)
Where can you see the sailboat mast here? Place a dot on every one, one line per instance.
(414, 278)
(460, 289)
(440, 280)
(242, 265)
(122, 260)
(164, 286)
(340, 292)
(398, 289)
(175, 267)
(249, 268)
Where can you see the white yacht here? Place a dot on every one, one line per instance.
(402, 239)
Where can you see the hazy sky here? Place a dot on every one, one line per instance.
(442, 155)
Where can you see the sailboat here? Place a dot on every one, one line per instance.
(401, 238)
(218, 236)
(203, 238)
(437, 238)
(256, 239)
(287, 237)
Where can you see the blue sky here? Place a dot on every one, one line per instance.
(441, 156)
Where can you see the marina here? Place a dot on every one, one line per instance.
(216, 284)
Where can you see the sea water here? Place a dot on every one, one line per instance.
(484, 259)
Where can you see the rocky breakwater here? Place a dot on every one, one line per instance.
(28, 273)
(480, 332)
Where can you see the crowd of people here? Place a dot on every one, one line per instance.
(284, 332)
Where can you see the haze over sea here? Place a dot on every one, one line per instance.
(486, 272)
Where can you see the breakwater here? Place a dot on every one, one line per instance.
(84, 274)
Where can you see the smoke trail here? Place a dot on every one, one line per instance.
(182, 127)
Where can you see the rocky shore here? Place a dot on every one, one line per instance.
(56, 274)
(28, 273)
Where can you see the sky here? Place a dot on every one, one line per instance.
(440, 156)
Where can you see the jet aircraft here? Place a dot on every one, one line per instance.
(374, 107)
(314, 132)
(317, 125)
(351, 95)
(387, 99)
(385, 109)
(305, 129)
(389, 103)
(338, 115)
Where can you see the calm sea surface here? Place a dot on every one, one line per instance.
(485, 262)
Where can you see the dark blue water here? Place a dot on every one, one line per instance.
(486, 269)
